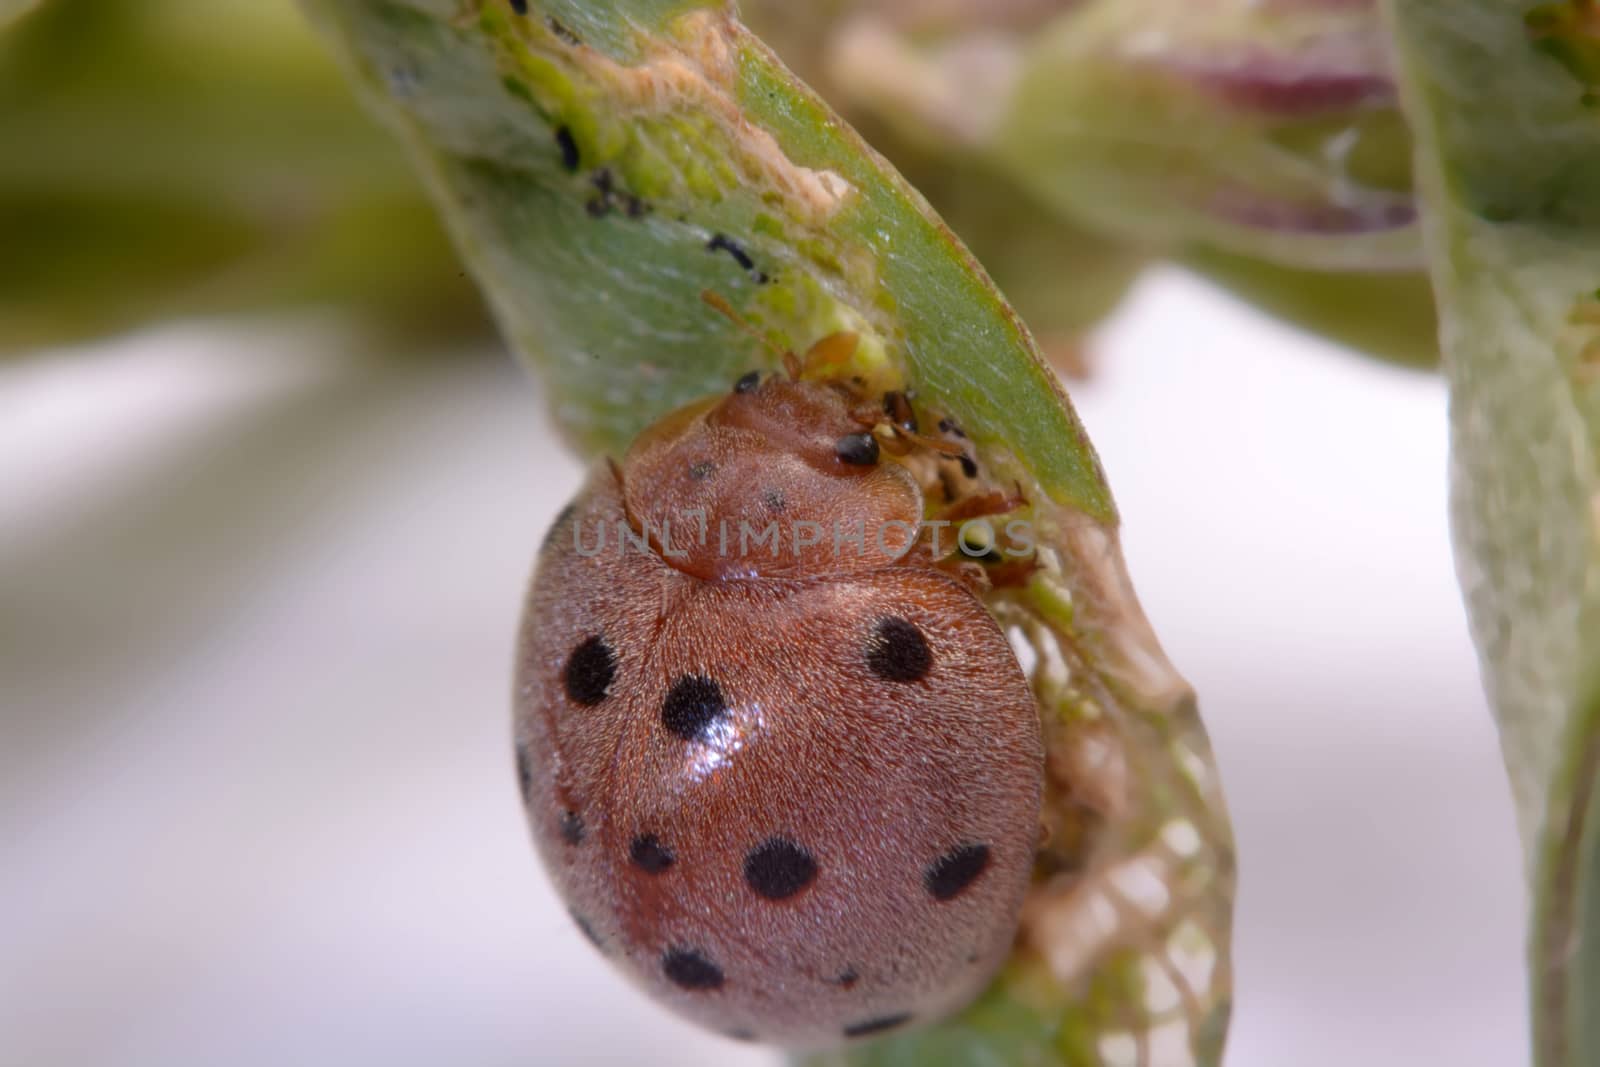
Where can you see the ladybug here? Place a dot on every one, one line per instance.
(790, 785)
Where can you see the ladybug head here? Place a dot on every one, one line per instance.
(779, 478)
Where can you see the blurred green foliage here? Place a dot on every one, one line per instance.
(171, 157)
(1072, 142)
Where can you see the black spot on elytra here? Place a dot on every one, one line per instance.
(524, 771)
(846, 979)
(778, 868)
(571, 827)
(748, 383)
(953, 873)
(649, 854)
(699, 472)
(690, 970)
(897, 651)
(773, 499)
(721, 242)
(692, 705)
(569, 149)
(559, 28)
(876, 1026)
(857, 449)
(562, 518)
(590, 671)
(587, 930)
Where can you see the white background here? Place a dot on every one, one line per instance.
(257, 597)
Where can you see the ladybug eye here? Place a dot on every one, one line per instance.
(749, 383)
(857, 449)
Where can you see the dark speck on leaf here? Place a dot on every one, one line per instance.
(610, 197)
(560, 29)
(520, 6)
(723, 243)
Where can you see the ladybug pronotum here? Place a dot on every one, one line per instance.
(794, 794)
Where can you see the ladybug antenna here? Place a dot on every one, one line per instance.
(717, 303)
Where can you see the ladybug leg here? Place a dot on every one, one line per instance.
(895, 444)
(1011, 574)
(901, 441)
(867, 415)
(981, 577)
(968, 572)
(897, 406)
(995, 565)
(986, 504)
(939, 445)
(793, 365)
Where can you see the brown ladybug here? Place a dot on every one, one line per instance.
(792, 789)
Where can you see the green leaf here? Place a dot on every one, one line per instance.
(600, 164)
(184, 157)
(1509, 164)
(1389, 316)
